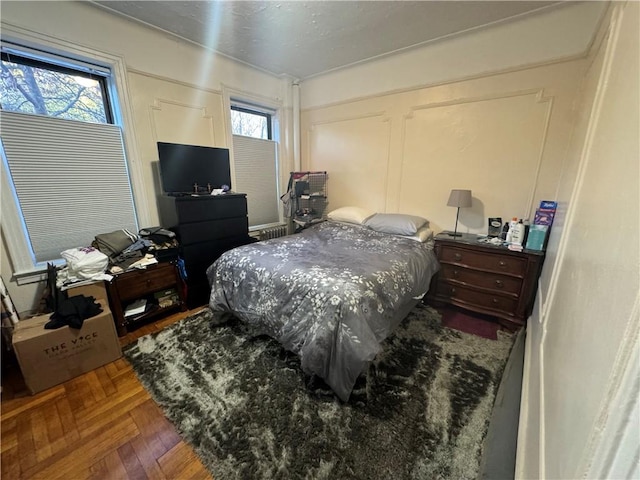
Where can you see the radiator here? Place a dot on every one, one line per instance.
(273, 232)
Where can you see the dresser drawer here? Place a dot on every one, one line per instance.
(199, 209)
(136, 284)
(485, 280)
(480, 260)
(199, 256)
(473, 298)
(213, 230)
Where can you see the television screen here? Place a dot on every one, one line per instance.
(182, 166)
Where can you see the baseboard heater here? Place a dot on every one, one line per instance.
(273, 232)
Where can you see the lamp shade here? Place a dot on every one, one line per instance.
(459, 198)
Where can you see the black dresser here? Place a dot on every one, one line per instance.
(206, 226)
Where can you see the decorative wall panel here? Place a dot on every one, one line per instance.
(355, 153)
(167, 111)
(492, 146)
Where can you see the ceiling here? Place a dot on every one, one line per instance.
(302, 39)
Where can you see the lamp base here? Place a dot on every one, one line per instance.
(452, 234)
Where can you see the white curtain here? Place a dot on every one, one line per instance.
(70, 179)
(257, 175)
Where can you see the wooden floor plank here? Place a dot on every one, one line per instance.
(16, 406)
(41, 440)
(74, 394)
(67, 420)
(26, 445)
(131, 462)
(96, 386)
(181, 462)
(10, 465)
(89, 421)
(8, 434)
(147, 457)
(102, 424)
(88, 451)
(155, 427)
(105, 381)
(109, 466)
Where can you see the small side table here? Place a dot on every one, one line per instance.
(132, 285)
(486, 278)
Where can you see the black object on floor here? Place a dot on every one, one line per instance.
(73, 311)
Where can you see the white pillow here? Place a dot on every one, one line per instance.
(355, 215)
(423, 235)
(395, 223)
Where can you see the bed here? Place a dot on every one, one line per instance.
(331, 294)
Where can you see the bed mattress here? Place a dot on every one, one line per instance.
(330, 294)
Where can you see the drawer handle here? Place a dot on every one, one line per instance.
(502, 263)
(453, 290)
(499, 284)
(495, 301)
(456, 273)
(458, 256)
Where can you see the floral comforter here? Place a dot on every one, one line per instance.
(331, 293)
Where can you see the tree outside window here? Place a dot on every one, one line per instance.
(250, 123)
(29, 87)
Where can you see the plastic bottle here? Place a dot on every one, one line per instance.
(505, 230)
(517, 237)
(527, 224)
(512, 226)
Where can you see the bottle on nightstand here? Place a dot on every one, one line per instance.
(517, 236)
(512, 228)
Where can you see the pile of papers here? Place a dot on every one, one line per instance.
(136, 308)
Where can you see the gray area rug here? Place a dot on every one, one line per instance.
(243, 403)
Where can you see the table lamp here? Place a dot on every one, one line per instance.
(459, 199)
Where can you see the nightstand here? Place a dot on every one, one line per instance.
(135, 284)
(486, 278)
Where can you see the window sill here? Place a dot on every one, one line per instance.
(31, 276)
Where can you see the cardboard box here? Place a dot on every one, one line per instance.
(51, 357)
(97, 290)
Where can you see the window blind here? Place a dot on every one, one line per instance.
(70, 179)
(257, 175)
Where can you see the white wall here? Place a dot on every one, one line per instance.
(397, 134)
(171, 90)
(502, 135)
(583, 342)
(563, 32)
(400, 145)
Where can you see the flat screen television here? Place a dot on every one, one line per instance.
(182, 166)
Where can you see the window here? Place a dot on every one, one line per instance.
(250, 122)
(65, 176)
(33, 86)
(255, 162)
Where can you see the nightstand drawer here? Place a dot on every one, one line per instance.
(488, 281)
(468, 296)
(136, 284)
(490, 262)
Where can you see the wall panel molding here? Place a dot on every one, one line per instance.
(159, 105)
(455, 81)
(463, 130)
(174, 81)
(359, 173)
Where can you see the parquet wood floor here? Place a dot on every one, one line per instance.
(100, 425)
